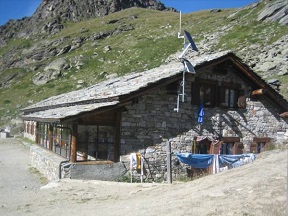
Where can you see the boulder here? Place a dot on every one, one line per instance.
(51, 72)
(45, 77)
(6, 80)
(275, 11)
(56, 65)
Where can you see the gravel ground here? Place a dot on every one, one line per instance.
(18, 181)
(259, 188)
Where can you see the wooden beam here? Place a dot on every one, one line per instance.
(258, 92)
(50, 137)
(117, 141)
(85, 146)
(37, 133)
(73, 154)
(230, 139)
(261, 139)
(284, 115)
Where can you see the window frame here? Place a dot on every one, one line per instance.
(220, 94)
(226, 93)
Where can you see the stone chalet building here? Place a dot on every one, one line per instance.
(90, 133)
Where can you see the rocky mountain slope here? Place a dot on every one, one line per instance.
(51, 16)
(68, 45)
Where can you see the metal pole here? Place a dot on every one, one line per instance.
(169, 170)
(142, 168)
(183, 86)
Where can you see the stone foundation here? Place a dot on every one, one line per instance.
(106, 172)
(52, 166)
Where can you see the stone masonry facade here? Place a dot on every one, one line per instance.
(151, 122)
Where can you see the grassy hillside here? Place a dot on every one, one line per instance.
(152, 39)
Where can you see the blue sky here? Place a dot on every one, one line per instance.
(187, 6)
(16, 9)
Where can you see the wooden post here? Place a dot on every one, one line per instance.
(117, 138)
(169, 170)
(37, 133)
(50, 137)
(73, 157)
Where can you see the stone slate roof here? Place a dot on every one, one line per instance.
(110, 92)
(55, 114)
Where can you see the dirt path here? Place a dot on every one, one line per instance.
(259, 188)
(17, 183)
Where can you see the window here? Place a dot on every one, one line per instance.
(228, 97)
(211, 94)
(206, 95)
(259, 144)
(203, 93)
(226, 148)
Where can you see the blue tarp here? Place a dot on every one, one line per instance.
(199, 161)
(229, 159)
(202, 161)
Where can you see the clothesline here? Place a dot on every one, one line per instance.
(202, 161)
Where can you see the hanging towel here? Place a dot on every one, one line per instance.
(229, 159)
(135, 161)
(201, 114)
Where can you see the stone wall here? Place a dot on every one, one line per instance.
(150, 122)
(48, 163)
(106, 172)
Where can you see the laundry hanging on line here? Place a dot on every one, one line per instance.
(202, 161)
(199, 161)
(201, 114)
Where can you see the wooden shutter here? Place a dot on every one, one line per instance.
(253, 147)
(195, 100)
(238, 148)
(215, 148)
(214, 96)
(242, 102)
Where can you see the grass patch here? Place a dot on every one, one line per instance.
(43, 180)
(7, 101)
(26, 140)
(15, 44)
(64, 88)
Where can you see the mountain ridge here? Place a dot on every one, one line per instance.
(51, 14)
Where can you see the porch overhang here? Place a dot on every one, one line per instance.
(60, 114)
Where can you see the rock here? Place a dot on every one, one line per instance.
(79, 65)
(275, 11)
(107, 48)
(55, 13)
(111, 76)
(51, 72)
(215, 10)
(6, 80)
(56, 65)
(64, 50)
(76, 43)
(45, 77)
